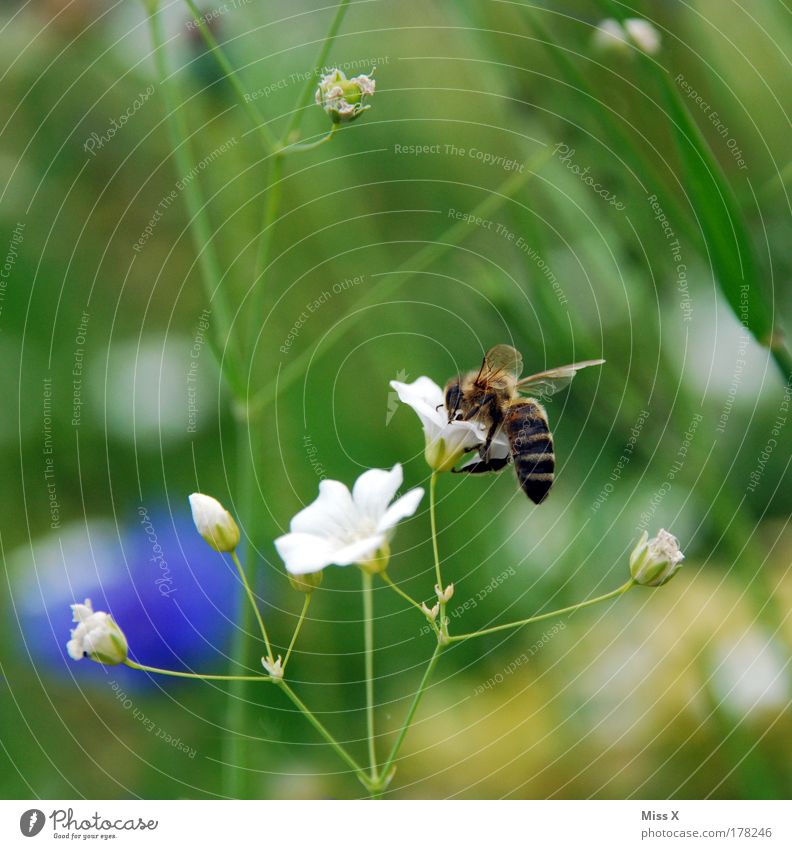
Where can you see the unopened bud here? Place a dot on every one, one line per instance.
(655, 561)
(430, 613)
(306, 583)
(273, 667)
(445, 595)
(214, 523)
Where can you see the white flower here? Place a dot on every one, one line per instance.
(643, 35)
(343, 99)
(214, 523)
(611, 36)
(655, 561)
(446, 441)
(96, 636)
(344, 528)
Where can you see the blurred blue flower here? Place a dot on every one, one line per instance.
(174, 597)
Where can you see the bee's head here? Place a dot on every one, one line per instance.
(453, 399)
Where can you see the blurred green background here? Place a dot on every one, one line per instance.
(678, 692)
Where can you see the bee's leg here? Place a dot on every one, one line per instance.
(497, 419)
(494, 464)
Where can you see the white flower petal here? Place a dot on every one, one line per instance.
(426, 398)
(82, 612)
(304, 553)
(400, 509)
(360, 550)
(333, 514)
(374, 490)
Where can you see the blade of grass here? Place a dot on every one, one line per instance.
(199, 225)
(722, 224)
(233, 77)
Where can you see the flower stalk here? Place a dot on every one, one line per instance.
(571, 609)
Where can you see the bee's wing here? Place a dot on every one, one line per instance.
(499, 361)
(547, 383)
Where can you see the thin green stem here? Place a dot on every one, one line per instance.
(200, 228)
(436, 552)
(328, 737)
(607, 597)
(254, 605)
(305, 95)
(411, 712)
(387, 578)
(301, 148)
(306, 603)
(143, 668)
(271, 209)
(368, 634)
(239, 710)
(233, 77)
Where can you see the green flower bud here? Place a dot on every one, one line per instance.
(306, 583)
(214, 523)
(655, 561)
(342, 98)
(378, 562)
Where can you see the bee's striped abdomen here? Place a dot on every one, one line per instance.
(531, 447)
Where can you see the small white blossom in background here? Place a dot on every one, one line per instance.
(343, 527)
(612, 37)
(446, 442)
(214, 523)
(609, 36)
(655, 561)
(96, 636)
(344, 99)
(644, 36)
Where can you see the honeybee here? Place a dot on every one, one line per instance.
(492, 397)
